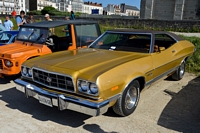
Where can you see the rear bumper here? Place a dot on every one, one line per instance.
(62, 101)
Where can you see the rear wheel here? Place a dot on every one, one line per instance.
(127, 102)
(178, 75)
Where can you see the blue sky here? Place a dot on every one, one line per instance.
(117, 2)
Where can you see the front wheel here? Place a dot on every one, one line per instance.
(127, 102)
(178, 75)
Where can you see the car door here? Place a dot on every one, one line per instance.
(163, 55)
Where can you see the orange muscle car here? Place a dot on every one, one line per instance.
(37, 39)
(110, 73)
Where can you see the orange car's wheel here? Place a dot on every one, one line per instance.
(127, 102)
(178, 75)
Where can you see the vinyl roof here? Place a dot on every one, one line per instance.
(178, 38)
(56, 23)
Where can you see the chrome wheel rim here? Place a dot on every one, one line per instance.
(182, 69)
(131, 98)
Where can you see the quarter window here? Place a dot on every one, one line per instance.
(164, 40)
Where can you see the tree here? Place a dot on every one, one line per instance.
(47, 9)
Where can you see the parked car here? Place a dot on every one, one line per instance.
(2, 28)
(7, 37)
(110, 73)
(38, 39)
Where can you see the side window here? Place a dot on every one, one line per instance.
(86, 34)
(163, 41)
(5, 37)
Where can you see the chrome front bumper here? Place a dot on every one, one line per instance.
(62, 101)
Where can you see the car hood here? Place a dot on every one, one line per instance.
(84, 60)
(17, 49)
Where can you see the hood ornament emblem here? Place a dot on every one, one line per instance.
(48, 79)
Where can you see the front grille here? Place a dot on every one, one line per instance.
(52, 80)
(1, 64)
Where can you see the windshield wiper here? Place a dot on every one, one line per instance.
(30, 35)
(37, 38)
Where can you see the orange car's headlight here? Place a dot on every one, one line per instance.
(8, 63)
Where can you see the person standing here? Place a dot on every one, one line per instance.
(14, 13)
(47, 17)
(8, 24)
(20, 19)
(66, 29)
(72, 16)
(51, 31)
(30, 19)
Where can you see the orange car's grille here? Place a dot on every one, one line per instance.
(1, 64)
(52, 80)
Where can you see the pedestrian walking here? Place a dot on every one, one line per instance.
(66, 29)
(20, 19)
(72, 16)
(8, 24)
(14, 13)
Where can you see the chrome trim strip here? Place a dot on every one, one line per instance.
(63, 101)
(56, 74)
(161, 76)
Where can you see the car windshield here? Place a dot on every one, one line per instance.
(5, 37)
(38, 35)
(123, 41)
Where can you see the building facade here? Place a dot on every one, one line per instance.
(89, 6)
(170, 9)
(122, 10)
(63, 5)
(40, 4)
(7, 6)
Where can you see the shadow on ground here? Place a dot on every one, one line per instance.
(182, 113)
(17, 100)
(94, 128)
(7, 79)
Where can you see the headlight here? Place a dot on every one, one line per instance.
(30, 72)
(8, 63)
(27, 72)
(24, 71)
(83, 86)
(93, 88)
(87, 87)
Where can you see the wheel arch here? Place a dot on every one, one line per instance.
(140, 79)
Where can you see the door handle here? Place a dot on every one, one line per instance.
(173, 51)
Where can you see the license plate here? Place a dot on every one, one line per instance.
(45, 100)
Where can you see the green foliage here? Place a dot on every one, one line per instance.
(35, 12)
(48, 9)
(193, 64)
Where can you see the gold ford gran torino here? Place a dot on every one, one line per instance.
(110, 73)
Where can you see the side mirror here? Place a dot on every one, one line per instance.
(50, 41)
(161, 48)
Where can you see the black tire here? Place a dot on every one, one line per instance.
(126, 103)
(178, 75)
